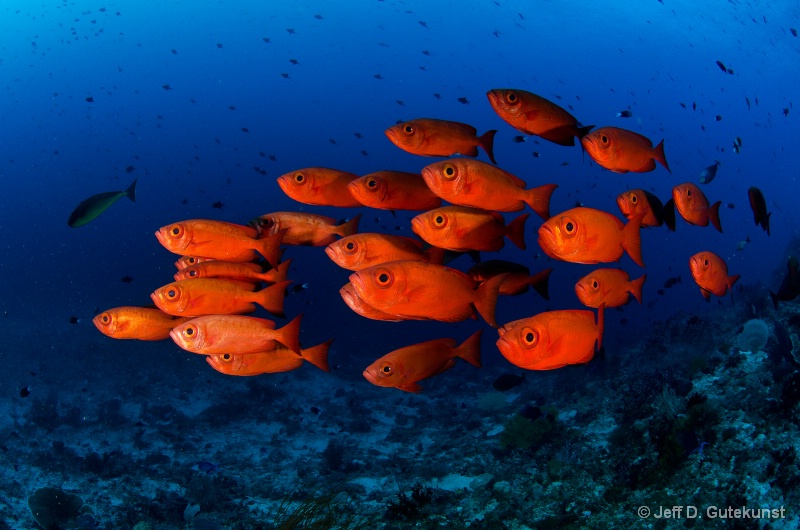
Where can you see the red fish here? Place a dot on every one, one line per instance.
(241, 271)
(586, 235)
(360, 251)
(461, 228)
(354, 302)
(552, 339)
(213, 296)
(394, 190)
(633, 203)
(270, 362)
(759, 206)
(428, 137)
(305, 228)
(218, 334)
(711, 274)
(319, 186)
(473, 183)
(609, 288)
(621, 150)
(534, 114)
(405, 367)
(517, 280)
(693, 206)
(136, 323)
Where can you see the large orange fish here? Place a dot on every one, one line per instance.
(270, 362)
(141, 323)
(608, 287)
(461, 229)
(229, 270)
(319, 186)
(419, 289)
(586, 235)
(218, 334)
(354, 302)
(641, 203)
(711, 274)
(480, 185)
(428, 137)
(360, 251)
(394, 190)
(621, 150)
(552, 339)
(405, 367)
(304, 228)
(693, 206)
(219, 240)
(534, 114)
(214, 296)
(517, 280)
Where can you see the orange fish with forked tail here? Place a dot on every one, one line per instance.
(214, 296)
(218, 334)
(270, 362)
(480, 185)
(641, 203)
(711, 274)
(693, 206)
(360, 251)
(608, 287)
(405, 367)
(394, 190)
(552, 339)
(518, 277)
(621, 150)
(304, 228)
(319, 186)
(141, 323)
(586, 235)
(429, 137)
(461, 228)
(241, 271)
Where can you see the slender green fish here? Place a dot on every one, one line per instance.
(97, 204)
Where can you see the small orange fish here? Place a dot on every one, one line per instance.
(141, 323)
(214, 296)
(552, 339)
(219, 240)
(360, 251)
(711, 274)
(534, 114)
(693, 206)
(608, 287)
(319, 186)
(621, 150)
(586, 235)
(633, 203)
(354, 302)
(241, 271)
(473, 183)
(518, 277)
(188, 261)
(394, 190)
(305, 228)
(428, 137)
(405, 367)
(461, 228)
(270, 362)
(218, 334)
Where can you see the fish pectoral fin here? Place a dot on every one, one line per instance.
(414, 388)
(706, 293)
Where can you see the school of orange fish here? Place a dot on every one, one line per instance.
(398, 278)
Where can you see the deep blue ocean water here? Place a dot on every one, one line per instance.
(202, 100)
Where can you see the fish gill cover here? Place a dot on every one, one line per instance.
(205, 105)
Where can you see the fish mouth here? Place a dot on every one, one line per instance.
(493, 97)
(547, 239)
(160, 237)
(428, 175)
(348, 295)
(588, 143)
(331, 252)
(358, 284)
(391, 134)
(416, 226)
(283, 183)
(175, 337)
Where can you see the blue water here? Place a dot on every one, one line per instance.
(362, 66)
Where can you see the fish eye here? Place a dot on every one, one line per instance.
(386, 370)
(595, 284)
(634, 198)
(511, 98)
(529, 337)
(350, 245)
(384, 277)
(176, 230)
(172, 293)
(299, 178)
(105, 319)
(449, 171)
(190, 331)
(192, 261)
(440, 221)
(227, 357)
(372, 183)
(604, 138)
(569, 227)
(409, 129)
(192, 273)
(705, 263)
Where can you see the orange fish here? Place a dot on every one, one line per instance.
(419, 289)
(319, 186)
(136, 323)
(633, 203)
(270, 362)
(360, 251)
(518, 277)
(354, 302)
(552, 339)
(533, 114)
(621, 150)
(405, 367)
(219, 240)
(188, 261)
(461, 228)
(241, 271)
(218, 334)
(608, 287)
(711, 273)
(394, 190)
(428, 137)
(214, 296)
(693, 206)
(480, 185)
(305, 228)
(586, 235)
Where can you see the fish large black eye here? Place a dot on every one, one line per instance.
(176, 230)
(386, 370)
(189, 331)
(511, 97)
(192, 273)
(529, 337)
(595, 284)
(384, 278)
(440, 221)
(634, 199)
(705, 262)
(192, 261)
(372, 184)
(449, 171)
(299, 178)
(350, 245)
(105, 319)
(569, 227)
(604, 138)
(409, 129)
(172, 293)
(227, 357)
(689, 193)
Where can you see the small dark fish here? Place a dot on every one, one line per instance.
(130, 169)
(318, 17)
(742, 244)
(285, 76)
(207, 467)
(294, 61)
(790, 286)
(97, 204)
(426, 52)
(126, 279)
(786, 111)
(331, 140)
(422, 23)
(272, 157)
(25, 392)
(624, 320)
(708, 174)
(245, 129)
(265, 39)
(536, 154)
(219, 45)
(437, 95)
(794, 31)
(74, 320)
(730, 71)
(174, 52)
(358, 135)
(300, 288)
(506, 382)
(722, 66)
(519, 139)
(465, 101)
(671, 282)
(624, 114)
(378, 76)
(218, 205)
(364, 153)
(682, 104)
(759, 206)
(90, 99)
(166, 87)
(730, 206)
(747, 99)
(290, 31)
(717, 118)
(232, 107)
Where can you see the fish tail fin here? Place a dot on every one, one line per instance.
(516, 231)
(774, 299)
(541, 283)
(486, 140)
(600, 326)
(713, 215)
(470, 350)
(632, 241)
(435, 255)
(658, 154)
(669, 214)
(580, 132)
(280, 273)
(272, 297)
(131, 191)
(636, 288)
(539, 199)
(289, 335)
(269, 246)
(486, 300)
(318, 355)
(350, 227)
(732, 280)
